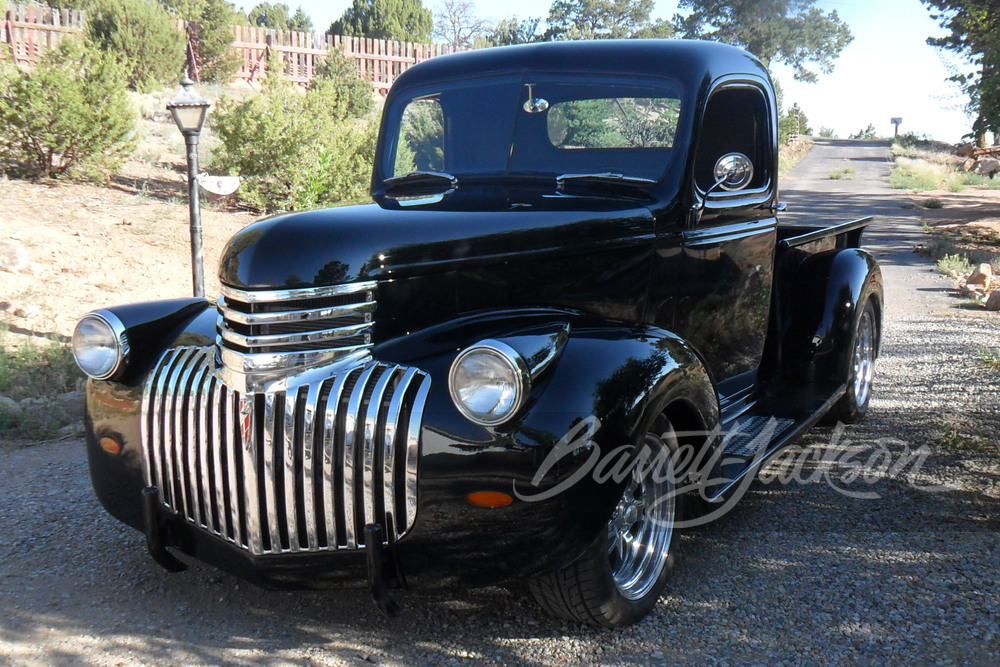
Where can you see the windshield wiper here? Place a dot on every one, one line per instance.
(603, 179)
(421, 182)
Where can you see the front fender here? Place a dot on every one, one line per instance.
(582, 422)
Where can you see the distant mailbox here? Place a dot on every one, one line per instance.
(897, 121)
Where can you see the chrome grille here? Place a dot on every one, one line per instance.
(303, 468)
(275, 330)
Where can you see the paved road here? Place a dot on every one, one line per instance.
(799, 573)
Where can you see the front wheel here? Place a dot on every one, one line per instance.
(618, 580)
(861, 368)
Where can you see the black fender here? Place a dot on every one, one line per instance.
(584, 419)
(824, 297)
(113, 407)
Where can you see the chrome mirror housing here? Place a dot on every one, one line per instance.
(733, 171)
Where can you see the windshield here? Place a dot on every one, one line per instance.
(537, 125)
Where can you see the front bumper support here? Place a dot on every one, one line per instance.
(376, 571)
(154, 532)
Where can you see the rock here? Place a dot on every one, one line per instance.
(76, 428)
(987, 166)
(972, 291)
(983, 275)
(993, 303)
(68, 408)
(964, 150)
(13, 257)
(9, 406)
(968, 164)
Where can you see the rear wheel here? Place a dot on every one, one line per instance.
(618, 580)
(861, 368)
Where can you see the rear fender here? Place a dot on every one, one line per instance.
(824, 296)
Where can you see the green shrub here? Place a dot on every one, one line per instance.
(842, 174)
(80, 115)
(933, 204)
(295, 150)
(142, 36)
(957, 263)
(339, 75)
(212, 36)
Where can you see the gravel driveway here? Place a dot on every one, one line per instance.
(798, 572)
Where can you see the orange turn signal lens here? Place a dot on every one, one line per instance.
(111, 446)
(489, 499)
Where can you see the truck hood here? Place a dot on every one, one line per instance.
(368, 242)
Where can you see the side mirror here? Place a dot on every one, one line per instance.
(733, 171)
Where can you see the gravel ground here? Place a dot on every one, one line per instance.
(799, 572)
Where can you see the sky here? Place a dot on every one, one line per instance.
(887, 71)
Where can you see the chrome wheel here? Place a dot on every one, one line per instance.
(642, 525)
(864, 358)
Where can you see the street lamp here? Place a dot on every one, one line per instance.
(189, 110)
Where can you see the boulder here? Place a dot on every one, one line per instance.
(993, 303)
(13, 257)
(983, 275)
(968, 164)
(964, 150)
(68, 408)
(9, 406)
(987, 166)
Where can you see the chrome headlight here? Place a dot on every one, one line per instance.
(100, 344)
(489, 382)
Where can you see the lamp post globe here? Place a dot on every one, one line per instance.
(189, 110)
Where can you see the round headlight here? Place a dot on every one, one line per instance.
(99, 344)
(489, 382)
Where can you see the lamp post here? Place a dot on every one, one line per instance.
(189, 110)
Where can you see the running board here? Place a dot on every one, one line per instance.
(745, 453)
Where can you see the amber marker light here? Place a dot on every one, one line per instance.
(489, 499)
(111, 446)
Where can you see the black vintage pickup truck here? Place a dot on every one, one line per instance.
(569, 309)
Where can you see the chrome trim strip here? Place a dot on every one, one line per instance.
(251, 497)
(231, 448)
(308, 315)
(262, 296)
(330, 439)
(218, 419)
(351, 440)
(389, 452)
(204, 392)
(274, 340)
(194, 441)
(180, 414)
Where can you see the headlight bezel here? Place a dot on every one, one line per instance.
(520, 374)
(119, 335)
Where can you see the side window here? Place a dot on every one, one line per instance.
(736, 121)
(420, 145)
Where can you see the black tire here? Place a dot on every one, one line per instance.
(610, 585)
(860, 368)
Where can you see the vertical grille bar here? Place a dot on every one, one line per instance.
(314, 462)
(248, 446)
(371, 438)
(308, 466)
(204, 391)
(352, 423)
(389, 450)
(291, 520)
(218, 418)
(330, 439)
(271, 490)
(194, 441)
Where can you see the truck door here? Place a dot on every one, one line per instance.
(723, 253)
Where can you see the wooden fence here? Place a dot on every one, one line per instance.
(30, 30)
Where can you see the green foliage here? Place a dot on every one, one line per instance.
(141, 36)
(598, 19)
(827, 133)
(400, 20)
(278, 17)
(210, 32)
(845, 174)
(618, 123)
(956, 263)
(80, 115)
(516, 31)
(933, 204)
(866, 133)
(974, 34)
(421, 141)
(789, 31)
(338, 75)
(295, 150)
